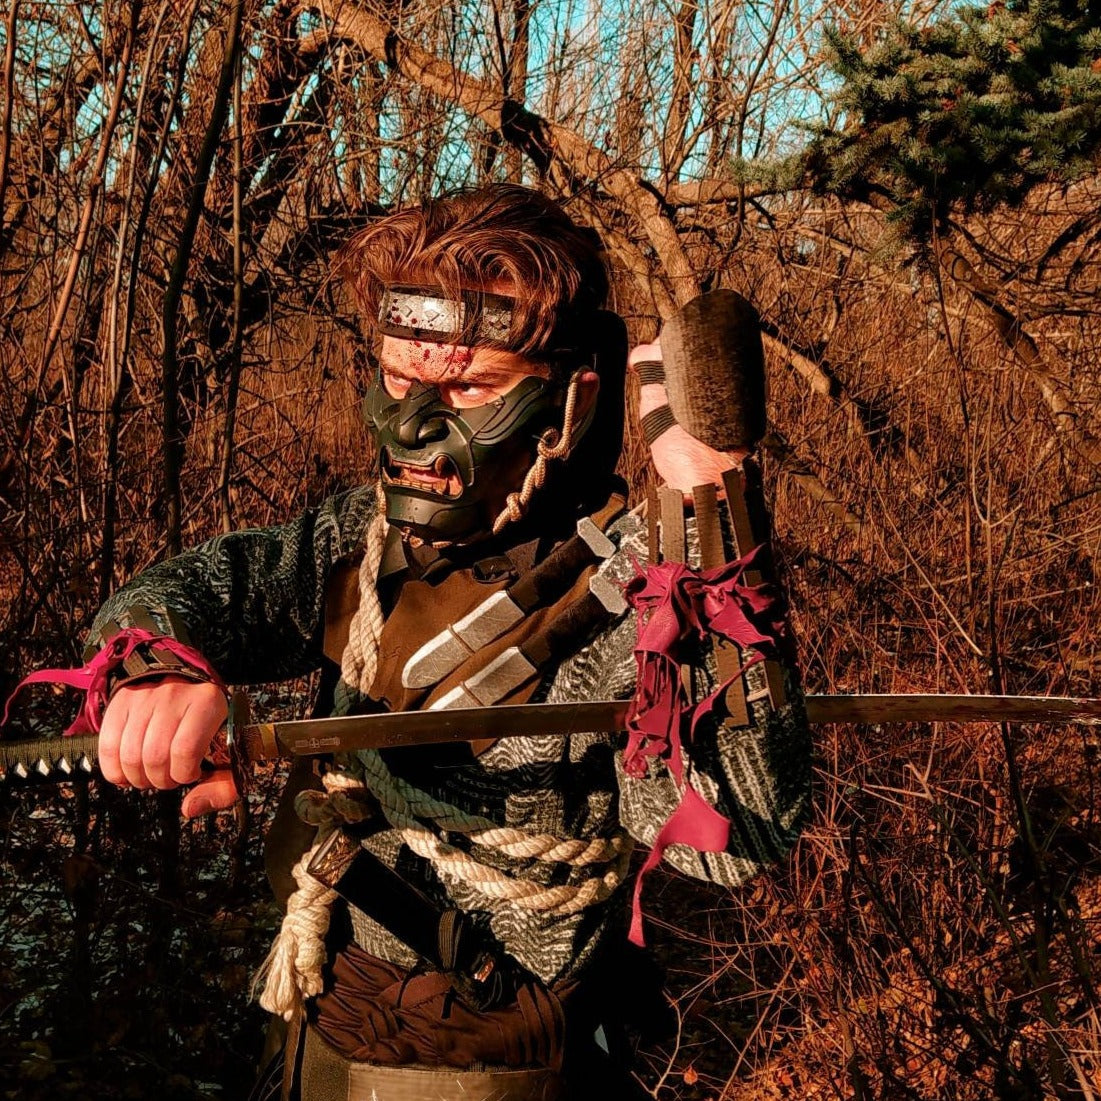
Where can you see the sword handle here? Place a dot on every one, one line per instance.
(49, 758)
(715, 378)
(715, 370)
(57, 759)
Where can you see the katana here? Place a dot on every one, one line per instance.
(60, 758)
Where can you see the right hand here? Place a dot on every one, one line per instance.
(681, 460)
(156, 735)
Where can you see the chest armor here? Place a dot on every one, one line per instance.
(424, 609)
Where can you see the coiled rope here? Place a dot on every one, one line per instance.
(552, 445)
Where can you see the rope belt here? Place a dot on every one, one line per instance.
(293, 967)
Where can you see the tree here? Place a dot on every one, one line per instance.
(940, 533)
(966, 113)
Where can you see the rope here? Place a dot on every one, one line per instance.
(292, 969)
(550, 446)
(548, 848)
(403, 804)
(495, 885)
(359, 661)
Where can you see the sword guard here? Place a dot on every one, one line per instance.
(228, 749)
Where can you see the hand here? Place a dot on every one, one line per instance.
(680, 459)
(155, 735)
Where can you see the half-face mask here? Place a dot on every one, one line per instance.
(482, 454)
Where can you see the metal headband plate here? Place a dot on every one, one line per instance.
(427, 313)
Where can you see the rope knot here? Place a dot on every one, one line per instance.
(548, 444)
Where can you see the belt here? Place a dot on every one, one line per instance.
(328, 1076)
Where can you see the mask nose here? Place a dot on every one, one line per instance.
(416, 425)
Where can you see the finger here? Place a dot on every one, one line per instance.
(642, 353)
(651, 396)
(203, 717)
(110, 737)
(132, 742)
(158, 745)
(216, 792)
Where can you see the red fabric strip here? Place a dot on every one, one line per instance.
(93, 678)
(678, 607)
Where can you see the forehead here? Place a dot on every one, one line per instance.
(431, 363)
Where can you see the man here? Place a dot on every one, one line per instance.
(485, 568)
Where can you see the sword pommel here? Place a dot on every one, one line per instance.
(715, 370)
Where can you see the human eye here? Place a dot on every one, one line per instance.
(394, 385)
(465, 395)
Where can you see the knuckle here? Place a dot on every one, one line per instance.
(130, 758)
(185, 769)
(110, 738)
(155, 758)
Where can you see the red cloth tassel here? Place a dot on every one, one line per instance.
(678, 607)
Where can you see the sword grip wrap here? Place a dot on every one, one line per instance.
(715, 370)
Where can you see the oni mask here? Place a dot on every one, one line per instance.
(447, 471)
(484, 451)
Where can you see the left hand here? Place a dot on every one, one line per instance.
(157, 734)
(680, 459)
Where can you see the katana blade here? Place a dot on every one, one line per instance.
(463, 724)
(918, 707)
(62, 758)
(348, 733)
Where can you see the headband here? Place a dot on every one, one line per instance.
(426, 313)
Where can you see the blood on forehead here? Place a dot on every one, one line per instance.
(432, 363)
(424, 359)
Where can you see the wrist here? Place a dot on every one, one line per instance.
(650, 397)
(134, 655)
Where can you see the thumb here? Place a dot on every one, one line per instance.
(216, 791)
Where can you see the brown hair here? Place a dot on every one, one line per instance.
(482, 237)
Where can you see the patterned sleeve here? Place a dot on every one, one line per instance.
(252, 602)
(758, 776)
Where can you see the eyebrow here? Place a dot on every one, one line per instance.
(467, 374)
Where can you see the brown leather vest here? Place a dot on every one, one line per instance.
(424, 609)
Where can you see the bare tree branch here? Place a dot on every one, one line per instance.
(1054, 392)
(539, 138)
